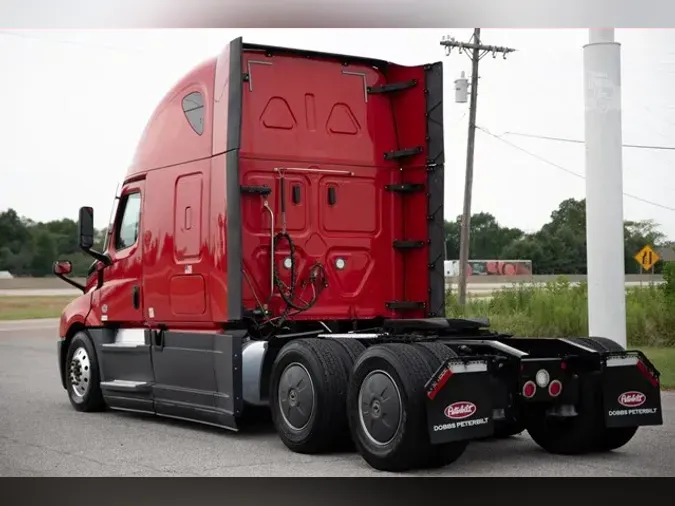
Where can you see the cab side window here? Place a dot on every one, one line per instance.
(128, 226)
(193, 107)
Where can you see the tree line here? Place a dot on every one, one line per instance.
(28, 248)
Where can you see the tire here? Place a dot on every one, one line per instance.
(350, 351)
(507, 429)
(396, 372)
(83, 379)
(312, 416)
(586, 432)
(441, 455)
(569, 436)
(609, 438)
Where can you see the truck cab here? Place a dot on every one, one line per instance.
(278, 243)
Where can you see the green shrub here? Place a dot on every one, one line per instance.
(560, 309)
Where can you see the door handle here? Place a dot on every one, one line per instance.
(136, 297)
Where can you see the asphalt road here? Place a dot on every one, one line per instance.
(41, 435)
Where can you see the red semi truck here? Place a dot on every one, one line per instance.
(277, 243)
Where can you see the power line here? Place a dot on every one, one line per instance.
(577, 141)
(571, 172)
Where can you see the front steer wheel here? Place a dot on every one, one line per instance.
(83, 381)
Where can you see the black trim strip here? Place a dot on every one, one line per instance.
(232, 180)
(392, 155)
(435, 187)
(388, 88)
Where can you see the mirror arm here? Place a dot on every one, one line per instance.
(68, 280)
(72, 283)
(97, 255)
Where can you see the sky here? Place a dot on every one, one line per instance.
(77, 101)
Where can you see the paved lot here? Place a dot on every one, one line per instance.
(41, 435)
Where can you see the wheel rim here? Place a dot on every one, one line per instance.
(296, 396)
(80, 372)
(380, 407)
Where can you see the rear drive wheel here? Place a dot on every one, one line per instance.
(307, 394)
(386, 410)
(83, 382)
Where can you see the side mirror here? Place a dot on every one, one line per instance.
(86, 228)
(62, 268)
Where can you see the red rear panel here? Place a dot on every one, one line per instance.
(352, 140)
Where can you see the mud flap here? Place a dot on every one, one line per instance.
(631, 391)
(459, 402)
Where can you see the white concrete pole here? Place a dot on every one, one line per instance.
(604, 187)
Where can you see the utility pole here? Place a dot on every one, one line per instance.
(475, 51)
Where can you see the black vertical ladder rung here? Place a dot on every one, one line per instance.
(393, 155)
(388, 88)
(256, 190)
(405, 304)
(404, 188)
(412, 244)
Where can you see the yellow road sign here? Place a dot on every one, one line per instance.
(647, 257)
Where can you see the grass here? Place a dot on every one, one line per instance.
(664, 360)
(27, 307)
(560, 309)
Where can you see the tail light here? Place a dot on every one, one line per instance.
(529, 389)
(555, 388)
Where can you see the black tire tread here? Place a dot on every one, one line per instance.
(330, 383)
(414, 449)
(93, 401)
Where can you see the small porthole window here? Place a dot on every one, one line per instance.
(193, 107)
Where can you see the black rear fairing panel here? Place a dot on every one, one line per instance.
(459, 401)
(435, 187)
(631, 391)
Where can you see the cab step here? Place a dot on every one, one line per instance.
(126, 386)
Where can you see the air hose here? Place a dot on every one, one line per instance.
(288, 292)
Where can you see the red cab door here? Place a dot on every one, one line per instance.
(120, 297)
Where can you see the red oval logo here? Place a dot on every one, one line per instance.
(460, 409)
(632, 399)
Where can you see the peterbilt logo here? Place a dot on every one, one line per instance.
(460, 410)
(632, 399)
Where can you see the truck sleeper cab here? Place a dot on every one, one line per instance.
(278, 243)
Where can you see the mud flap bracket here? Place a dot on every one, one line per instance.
(459, 401)
(631, 391)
